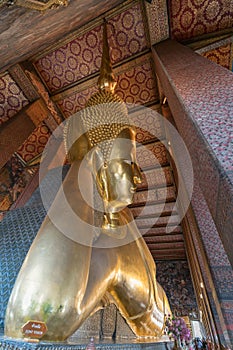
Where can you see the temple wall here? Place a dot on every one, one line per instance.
(199, 94)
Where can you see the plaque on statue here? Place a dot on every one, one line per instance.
(34, 329)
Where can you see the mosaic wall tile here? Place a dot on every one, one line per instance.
(208, 176)
(210, 236)
(203, 103)
(225, 288)
(175, 278)
(157, 20)
(206, 90)
(12, 99)
(194, 18)
(230, 176)
(35, 144)
(82, 56)
(224, 215)
(220, 55)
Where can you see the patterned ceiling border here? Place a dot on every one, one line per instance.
(221, 56)
(215, 45)
(220, 48)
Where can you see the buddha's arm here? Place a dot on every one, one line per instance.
(53, 279)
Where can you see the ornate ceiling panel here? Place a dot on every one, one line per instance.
(156, 178)
(152, 155)
(81, 56)
(148, 124)
(197, 17)
(136, 84)
(220, 55)
(35, 144)
(154, 195)
(75, 102)
(12, 98)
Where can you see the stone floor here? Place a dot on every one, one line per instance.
(80, 344)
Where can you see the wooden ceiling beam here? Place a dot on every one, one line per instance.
(23, 32)
(164, 238)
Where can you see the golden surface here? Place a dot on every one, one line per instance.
(63, 281)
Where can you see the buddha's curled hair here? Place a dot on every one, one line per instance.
(102, 120)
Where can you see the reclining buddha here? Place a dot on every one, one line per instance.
(91, 253)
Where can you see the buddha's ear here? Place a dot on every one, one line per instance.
(98, 169)
(124, 146)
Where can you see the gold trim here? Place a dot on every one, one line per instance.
(40, 6)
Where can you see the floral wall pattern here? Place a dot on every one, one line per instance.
(12, 98)
(197, 17)
(174, 277)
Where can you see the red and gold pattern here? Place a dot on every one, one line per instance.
(221, 55)
(81, 57)
(12, 99)
(148, 124)
(156, 178)
(75, 102)
(197, 17)
(35, 144)
(152, 155)
(137, 85)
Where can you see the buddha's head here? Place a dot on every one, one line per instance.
(117, 176)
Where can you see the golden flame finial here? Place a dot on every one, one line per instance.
(106, 79)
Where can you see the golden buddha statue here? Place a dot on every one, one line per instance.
(66, 276)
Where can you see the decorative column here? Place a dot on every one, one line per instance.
(199, 94)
